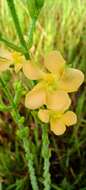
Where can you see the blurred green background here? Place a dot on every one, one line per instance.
(62, 26)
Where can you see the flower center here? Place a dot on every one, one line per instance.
(17, 58)
(51, 81)
(56, 115)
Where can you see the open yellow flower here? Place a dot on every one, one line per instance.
(58, 120)
(57, 77)
(54, 83)
(69, 79)
(18, 60)
(30, 69)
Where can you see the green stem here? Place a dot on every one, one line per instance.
(17, 26)
(46, 157)
(11, 45)
(5, 108)
(23, 131)
(29, 158)
(31, 31)
(36, 129)
(6, 91)
(53, 186)
(14, 112)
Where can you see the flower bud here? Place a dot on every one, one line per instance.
(39, 3)
(34, 7)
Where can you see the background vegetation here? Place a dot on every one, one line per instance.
(62, 26)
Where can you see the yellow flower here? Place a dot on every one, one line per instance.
(18, 60)
(30, 69)
(58, 120)
(69, 79)
(54, 82)
(57, 77)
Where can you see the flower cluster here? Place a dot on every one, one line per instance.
(52, 91)
(55, 80)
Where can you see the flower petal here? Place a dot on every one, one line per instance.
(35, 98)
(17, 57)
(71, 80)
(31, 71)
(58, 101)
(5, 59)
(54, 62)
(5, 54)
(69, 118)
(4, 65)
(43, 115)
(57, 126)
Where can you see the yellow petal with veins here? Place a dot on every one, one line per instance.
(58, 101)
(55, 63)
(43, 115)
(35, 98)
(69, 118)
(57, 126)
(31, 71)
(71, 80)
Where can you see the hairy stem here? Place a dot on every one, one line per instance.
(46, 157)
(23, 135)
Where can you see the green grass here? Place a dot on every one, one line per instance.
(62, 26)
